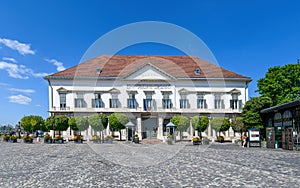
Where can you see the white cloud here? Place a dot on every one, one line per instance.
(59, 65)
(16, 45)
(20, 99)
(19, 71)
(4, 84)
(22, 90)
(9, 59)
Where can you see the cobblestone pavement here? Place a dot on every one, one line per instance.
(146, 165)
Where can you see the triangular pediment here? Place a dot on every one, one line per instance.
(148, 72)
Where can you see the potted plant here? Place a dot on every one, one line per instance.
(13, 138)
(205, 141)
(6, 137)
(169, 139)
(47, 138)
(136, 139)
(27, 139)
(220, 139)
(196, 140)
(108, 139)
(58, 139)
(78, 139)
(96, 139)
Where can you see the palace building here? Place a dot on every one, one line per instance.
(150, 90)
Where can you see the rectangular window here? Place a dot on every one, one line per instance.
(236, 104)
(114, 103)
(166, 103)
(80, 103)
(183, 103)
(97, 103)
(148, 104)
(62, 101)
(201, 103)
(131, 103)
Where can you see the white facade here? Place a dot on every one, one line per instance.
(150, 97)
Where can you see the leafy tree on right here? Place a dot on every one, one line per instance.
(281, 84)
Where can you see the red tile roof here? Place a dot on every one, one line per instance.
(120, 66)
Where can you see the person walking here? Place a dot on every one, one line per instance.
(244, 139)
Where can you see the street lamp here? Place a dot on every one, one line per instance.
(171, 128)
(19, 130)
(128, 126)
(53, 121)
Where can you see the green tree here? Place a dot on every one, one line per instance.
(57, 123)
(220, 124)
(32, 123)
(281, 84)
(98, 122)
(251, 112)
(117, 122)
(61, 123)
(200, 123)
(181, 122)
(78, 123)
(237, 125)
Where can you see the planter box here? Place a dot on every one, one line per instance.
(78, 141)
(108, 141)
(197, 143)
(58, 141)
(136, 140)
(97, 141)
(28, 141)
(48, 141)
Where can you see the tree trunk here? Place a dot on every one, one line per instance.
(120, 135)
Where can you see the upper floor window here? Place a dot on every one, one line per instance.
(62, 101)
(201, 102)
(184, 103)
(235, 103)
(114, 101)
(219, 103)
(80, 103)
(166, 101)
(97, 101)
(148, 102)
(131, 101)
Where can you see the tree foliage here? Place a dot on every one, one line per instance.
(281, 84)
(181, 122)
(96, 122)
(78, 123)
(117, 121)
(237, 124)
(251, 112)
(200, 123)
(57, 123)
(220, 124)
(32, 123)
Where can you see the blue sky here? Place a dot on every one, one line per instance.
(42, 37)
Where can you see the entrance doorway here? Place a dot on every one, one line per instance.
(149, 128)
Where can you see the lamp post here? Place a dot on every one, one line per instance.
(19, 130)
(53, 121)
(171, 128)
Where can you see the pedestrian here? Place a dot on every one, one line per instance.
(244, 139)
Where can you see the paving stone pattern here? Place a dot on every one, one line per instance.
(146, 165)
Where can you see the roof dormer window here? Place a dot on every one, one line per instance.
(98, 70)
(197, 71)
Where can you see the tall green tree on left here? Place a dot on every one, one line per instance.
(32, 123)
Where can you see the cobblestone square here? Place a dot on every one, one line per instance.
(122, 164)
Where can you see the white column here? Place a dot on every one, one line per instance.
(209, 131)
(139, 126)
(160, 128)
